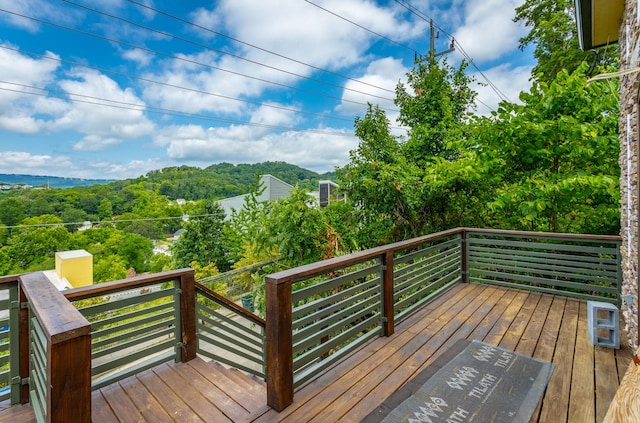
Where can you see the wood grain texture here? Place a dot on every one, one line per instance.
(625, 407)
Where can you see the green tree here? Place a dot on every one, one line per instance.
(105, 209)
(109, 268)
(555, 156)
(31, 244)
(435, 106)
(554, 36)
(12, 211)
(203, 240)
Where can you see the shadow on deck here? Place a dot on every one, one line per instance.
(551, 328)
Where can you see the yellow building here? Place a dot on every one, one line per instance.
(76, 267)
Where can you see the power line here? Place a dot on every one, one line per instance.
(142, 108)
(145, 219)
(427, 18)
(204, 46)
(181, 59)
(362, 27)
(169, 15)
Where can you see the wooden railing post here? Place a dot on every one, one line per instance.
(388, 310)
(279, 343)
(464, 264)
(68, 350)
(23, 318)
(188, 316)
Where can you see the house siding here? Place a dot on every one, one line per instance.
(628, 121)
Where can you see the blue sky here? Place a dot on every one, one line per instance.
(115, 88)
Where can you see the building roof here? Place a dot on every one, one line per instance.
(598, 22)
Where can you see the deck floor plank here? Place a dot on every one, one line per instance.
(606, 380)
(393, 373)
(547, 327)
(100, 409)
(188, 393)
(582, 401)
(556, 404)
(149, 407)
(123, 407)
(169, 399)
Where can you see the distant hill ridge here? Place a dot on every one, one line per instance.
(50, 181)
(218, 180)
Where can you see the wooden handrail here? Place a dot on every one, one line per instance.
(107, 288)
(326, 266)
(68, 333)
(279, 355)
(219, 299)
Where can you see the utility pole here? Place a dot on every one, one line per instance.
(432, 44)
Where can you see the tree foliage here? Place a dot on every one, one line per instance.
(556, 156)
(553, 34)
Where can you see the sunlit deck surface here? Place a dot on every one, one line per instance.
(547, 327)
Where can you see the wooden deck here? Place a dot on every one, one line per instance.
(550, 328)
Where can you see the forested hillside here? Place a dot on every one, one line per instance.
(548, 162)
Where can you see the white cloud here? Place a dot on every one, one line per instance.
(385, 73)
(141, 57)
(488, 31)
(509, 80)
(35, 164)
(244, 144)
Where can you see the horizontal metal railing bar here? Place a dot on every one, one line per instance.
(542, 246)
(424, 290)
(135, 339)
(127, 302)
(335, 315)
(443, 246)
(308, 320)
(232, 340)
(96, 324)
(226, 333)
(542, 269)
(407, 310)
(401, 272)
(324, 286)
(544, 290)
(334, 342)
(609, 262)
(133, 357)
(575, 266)
(101, 383)
(246, 334)
(233, 324)
(167, 316)
(312, 369)
(232, 363)
(37, 398)
(99, 344)
(223, 302)
(320, 303)
(543, 281)
(433, 273)
(244, 354)
(444, 269)
(315, 342)
(234, 272)
(326, 266)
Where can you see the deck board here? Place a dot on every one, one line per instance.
(539, 325)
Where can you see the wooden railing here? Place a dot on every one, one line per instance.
(318, 312)
(10, 381)
(228, 333)
(138, 323)
(587, 267)
(58, 353)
